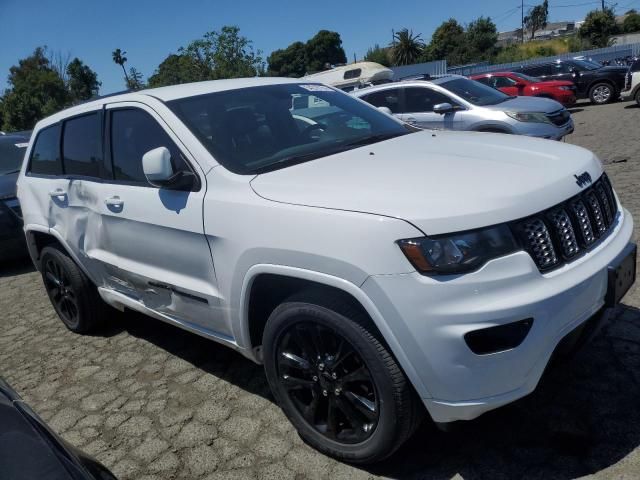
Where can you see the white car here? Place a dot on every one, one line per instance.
(632, 83)
(377, 273)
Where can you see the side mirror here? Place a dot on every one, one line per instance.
(443, 108)
(386, 110)
(157, 167)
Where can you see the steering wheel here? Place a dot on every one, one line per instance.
(316, 126)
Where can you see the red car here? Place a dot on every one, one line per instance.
(519, 84)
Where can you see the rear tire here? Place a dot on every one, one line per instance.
(638, 97)
(73, 296)
(601, 93)
(312, 347)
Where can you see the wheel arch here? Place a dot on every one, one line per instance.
(608, 81)
(39, 237)
(286, 281)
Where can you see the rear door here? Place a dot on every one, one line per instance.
(417, 109)
(44, 196)
(152, 239)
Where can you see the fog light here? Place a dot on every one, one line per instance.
(498, 339)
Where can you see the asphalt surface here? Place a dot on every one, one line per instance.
(151, 401)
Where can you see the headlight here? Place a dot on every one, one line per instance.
(458, 252)
(566, 88)
(536, 117)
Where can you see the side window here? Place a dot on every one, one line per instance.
(82, 146)
(560, 68)
(502, 82)
(389, 98)
(45, 156)
(423, 99)
(355, 73)
(133, 133)
(484, 80)
(537, 70)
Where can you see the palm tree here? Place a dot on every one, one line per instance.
(120, 59)
(406, 48)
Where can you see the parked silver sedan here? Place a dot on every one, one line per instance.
(453, 102)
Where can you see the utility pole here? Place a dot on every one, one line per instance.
(603, 5)
(522, 17)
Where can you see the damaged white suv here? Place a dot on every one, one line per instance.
(373, 270)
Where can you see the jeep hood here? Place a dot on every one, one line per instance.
(439, 181)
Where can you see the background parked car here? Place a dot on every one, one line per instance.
(593, 81)
(453, 102)
(632, 83)
(12, 149)
(29, 449)
(520, 84)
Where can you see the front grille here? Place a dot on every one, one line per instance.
(560, 117)
(561, 233)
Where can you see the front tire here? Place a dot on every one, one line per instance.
(638, 97)
(336, 381)
(601, 93)
(73, 296)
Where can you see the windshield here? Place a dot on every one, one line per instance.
(475, 92)
(257, 129)
(526, 77)
(586, 64)
(11, 154)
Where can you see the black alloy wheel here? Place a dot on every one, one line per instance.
(61, 292)
(335, 378)
(328, 382)
(73, 296)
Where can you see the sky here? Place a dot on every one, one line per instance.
(150, 30)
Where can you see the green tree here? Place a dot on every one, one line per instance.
(135, 80)
(82, 82)
(378, 55)
(631, 23)
(537, 18)
(225, 54)
(119, 58)
(176, 69)
(448, 42)
(288, 62)
(35, 91)
(407, 48)
(481, 37)
(325, 48)
(598, 26)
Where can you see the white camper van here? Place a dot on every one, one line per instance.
(349, 77)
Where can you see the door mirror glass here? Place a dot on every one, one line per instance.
(386, 110)
(157, 167)
(443, 108)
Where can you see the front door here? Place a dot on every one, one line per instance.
(417, 109)
(152, 239)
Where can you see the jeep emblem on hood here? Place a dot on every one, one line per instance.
(583, 179)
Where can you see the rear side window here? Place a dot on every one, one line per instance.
(82, 146)
(485, 80)
(45, 157)
(389, 98)
(133, 133)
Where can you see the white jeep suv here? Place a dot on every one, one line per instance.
(373, 270)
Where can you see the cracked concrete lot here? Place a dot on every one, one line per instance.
(154, 402)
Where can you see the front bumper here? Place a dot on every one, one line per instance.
(429, 317)
(544, 130)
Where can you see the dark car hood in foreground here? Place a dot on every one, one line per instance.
(29, 450)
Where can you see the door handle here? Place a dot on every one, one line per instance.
(58, 192)
(115, 202)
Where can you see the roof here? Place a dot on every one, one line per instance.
(435, 81)
(172, 92)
